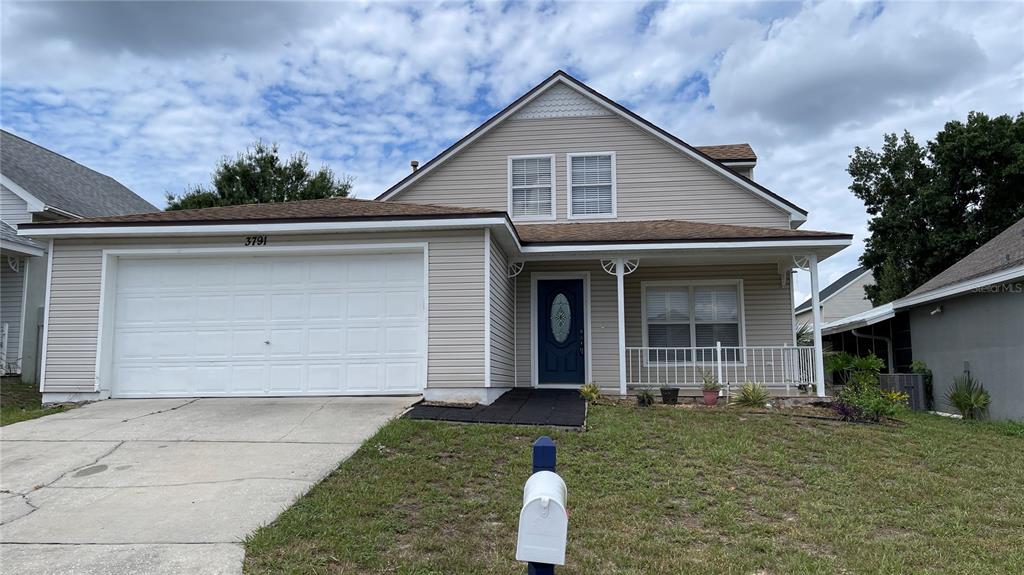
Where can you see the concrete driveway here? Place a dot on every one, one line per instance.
(165, 485)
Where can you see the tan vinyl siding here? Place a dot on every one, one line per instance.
(13, 209)
(603, 321)
(654, 181)
(849, 301)
(12, 291)
(502, 321)
(455, 356)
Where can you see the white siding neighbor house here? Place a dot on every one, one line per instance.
(564, 241)
(38, 185)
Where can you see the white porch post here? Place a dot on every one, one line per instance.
(819, 362)
(619, 274)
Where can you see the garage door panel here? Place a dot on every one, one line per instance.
(351, 324)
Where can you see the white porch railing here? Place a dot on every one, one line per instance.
(776, 367)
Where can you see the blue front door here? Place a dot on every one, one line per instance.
(561, 349)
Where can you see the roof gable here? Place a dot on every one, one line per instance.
(565, 95)
(835, 287)
(59, 182)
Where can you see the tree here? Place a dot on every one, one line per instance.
(259, 176)
(932, 205)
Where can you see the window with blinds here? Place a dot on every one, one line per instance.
(686, 316)
(532, 187)
(591, 185)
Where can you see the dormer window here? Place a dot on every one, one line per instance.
(591, 185)
(531, 187)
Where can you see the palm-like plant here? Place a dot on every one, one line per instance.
(969, 397)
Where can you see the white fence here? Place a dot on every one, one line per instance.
(777, 367)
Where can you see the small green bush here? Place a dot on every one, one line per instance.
(868, 403)
(590, 392)
(644, 397)
(969, 397)
(751, 395)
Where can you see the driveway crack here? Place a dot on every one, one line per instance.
(186, 404)
(304, 420)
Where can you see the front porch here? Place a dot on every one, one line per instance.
(663, 320)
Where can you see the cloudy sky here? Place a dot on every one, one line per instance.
(154, 93)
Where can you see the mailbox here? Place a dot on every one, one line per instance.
(543, 521)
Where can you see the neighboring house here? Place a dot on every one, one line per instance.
(38, 185)
(842, 298)
(566, 240)
(967, 319)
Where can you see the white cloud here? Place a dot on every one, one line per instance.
(156, 93)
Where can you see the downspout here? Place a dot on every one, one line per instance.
(888, 344)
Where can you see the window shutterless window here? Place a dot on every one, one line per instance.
(678, 316)
(591, 183)
(531, 187)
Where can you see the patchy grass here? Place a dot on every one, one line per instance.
(670, 490)
(21, 401)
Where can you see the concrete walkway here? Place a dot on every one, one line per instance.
(167, 485)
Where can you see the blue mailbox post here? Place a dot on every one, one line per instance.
(543, 521)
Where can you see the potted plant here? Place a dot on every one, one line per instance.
(644, 398)
(669, 395)
(710, 387)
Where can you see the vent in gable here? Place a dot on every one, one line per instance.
(561, 102)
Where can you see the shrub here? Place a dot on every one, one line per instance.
(644, 397)
(710, 381)
(868, 402)
(853, 369)
(590, 392)
(969, 397)
(752, 395)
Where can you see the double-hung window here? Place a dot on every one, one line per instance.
(531, 187)
(701, 315)
(591, 185)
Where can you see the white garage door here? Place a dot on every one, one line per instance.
(269, 325)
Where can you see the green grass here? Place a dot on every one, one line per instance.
(21, 401)
(666, 490)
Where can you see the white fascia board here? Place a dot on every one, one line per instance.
(244, 227)
(668, 246)
(23, 249)
(34, 203)
(961, 287)
(865, 318)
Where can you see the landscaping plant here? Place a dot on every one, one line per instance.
(862, 398)
(921, 368)
(969, 397)
(590, 392)
(644, 397)
(710, 387)
(751, 395)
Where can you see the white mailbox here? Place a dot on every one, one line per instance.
(543, 521)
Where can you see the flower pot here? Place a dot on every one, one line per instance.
(710, 397)
(670, 395)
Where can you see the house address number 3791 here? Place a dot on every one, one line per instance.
(255, 241)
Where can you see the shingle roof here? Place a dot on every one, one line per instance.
(730, 152)
(307, 210)
(1001, 252)
(657, 231)
(833, 287)
(63, 183)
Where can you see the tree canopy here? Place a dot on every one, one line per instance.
(258, 176)
(930, 205)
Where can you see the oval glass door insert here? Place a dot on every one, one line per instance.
(561, 318)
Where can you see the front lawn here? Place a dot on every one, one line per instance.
(671, 490)
(20, 401)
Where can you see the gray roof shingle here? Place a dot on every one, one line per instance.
(1001, 252)
(63, 183)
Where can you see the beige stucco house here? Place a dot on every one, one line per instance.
(566, 240)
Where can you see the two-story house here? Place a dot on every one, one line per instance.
(566, 240)
(39, 185)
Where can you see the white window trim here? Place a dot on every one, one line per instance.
(741, 317)
(568, 186)
(554, 186)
